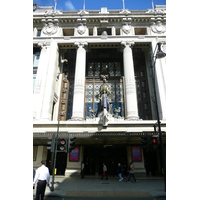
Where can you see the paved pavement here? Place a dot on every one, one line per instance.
(94, 187)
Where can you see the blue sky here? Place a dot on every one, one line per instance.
(97, 4)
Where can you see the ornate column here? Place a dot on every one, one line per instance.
(129, 77)
(40, 79)
(48, 97)
(160, 82)
(79, 82)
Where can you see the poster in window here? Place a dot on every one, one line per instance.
(74, 155)
(136, 154)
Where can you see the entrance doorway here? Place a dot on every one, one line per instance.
(94, 157)
(61, 161)
(151, 162)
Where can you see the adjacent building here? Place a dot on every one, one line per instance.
(92, 74)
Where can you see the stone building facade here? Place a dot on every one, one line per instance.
(72, 50)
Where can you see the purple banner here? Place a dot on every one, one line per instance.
(136, 154)
(74, 155)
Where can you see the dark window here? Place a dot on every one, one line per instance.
(38, 32)
(69, 70)
(144, 107)
(100, 31)
(99, 60)
(140, 31)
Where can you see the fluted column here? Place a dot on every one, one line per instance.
(40, 81)
(47, 104)
(79, 82)
(160, 82)
(129, 77)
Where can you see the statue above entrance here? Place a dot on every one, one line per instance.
(104, 91)
(105, 112)
(105, 98)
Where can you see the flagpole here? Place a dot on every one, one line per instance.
(55, 4)
(123, 5)
(84, 5)
(152, 4)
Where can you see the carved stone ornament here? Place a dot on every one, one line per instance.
(52, 13)
(44, 45)
(65, 80)
(127, 43)
(158, 27)
(81, 44)
(156, 11)
(81, 29)
(125, 11)
(83, 12)
(62, 112)
(126, 28)
(50, 28)
(64, 90)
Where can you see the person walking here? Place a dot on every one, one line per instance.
(120, 172)
(43, 177)
(104, 172)
(82, 169)
(131, 172)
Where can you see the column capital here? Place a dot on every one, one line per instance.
(44, 45)
(127, 43)
(81, 44)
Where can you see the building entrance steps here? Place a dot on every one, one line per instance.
(92, 186)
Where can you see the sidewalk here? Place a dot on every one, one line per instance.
(93, 186)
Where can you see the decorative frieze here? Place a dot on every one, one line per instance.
(94, 134)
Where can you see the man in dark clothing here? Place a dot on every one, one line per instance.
(131, 172)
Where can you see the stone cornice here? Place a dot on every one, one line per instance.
(95, 134)
(136, 17)
(68, 124)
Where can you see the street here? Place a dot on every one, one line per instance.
(95, 188)
(104, 198)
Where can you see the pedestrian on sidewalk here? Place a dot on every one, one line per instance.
(82, 169)
(43, 177)
(120, 172)
(104, 172)
(131, 172)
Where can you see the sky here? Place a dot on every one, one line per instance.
(97, 4)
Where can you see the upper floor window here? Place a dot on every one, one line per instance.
(140, 31)
(113, 68)
(101, 31)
